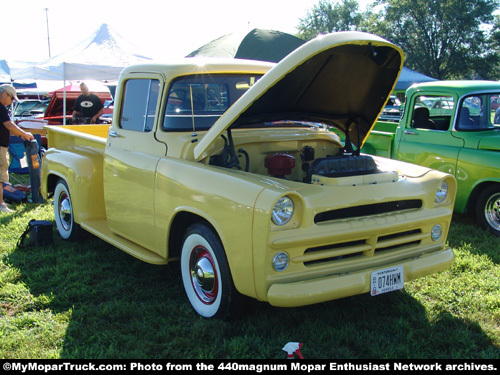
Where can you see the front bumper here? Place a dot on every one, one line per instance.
(328, 288)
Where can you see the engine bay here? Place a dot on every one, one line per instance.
(308, 160)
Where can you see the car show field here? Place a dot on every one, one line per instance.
(83, 300)
(264, 199)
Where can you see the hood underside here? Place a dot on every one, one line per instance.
(342, 79)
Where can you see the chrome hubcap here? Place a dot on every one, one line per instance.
(65, 211)
(492, 211)
(203, 275)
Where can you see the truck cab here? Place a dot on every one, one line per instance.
(454, 127)
(229, 166)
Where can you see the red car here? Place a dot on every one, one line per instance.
(495, 103)
(54, 113)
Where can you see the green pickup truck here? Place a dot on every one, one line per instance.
(454, 127)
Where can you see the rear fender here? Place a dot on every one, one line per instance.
(83, 174)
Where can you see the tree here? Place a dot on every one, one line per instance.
(442, 39)
(494, 40)
(327, 17)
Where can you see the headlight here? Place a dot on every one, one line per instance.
(280, 261)
(441, 193)
(282, 211)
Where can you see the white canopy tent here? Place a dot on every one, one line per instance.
(101, 56)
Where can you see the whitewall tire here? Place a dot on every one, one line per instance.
(205, 273)
(63, 212)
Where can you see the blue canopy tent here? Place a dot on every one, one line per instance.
(4, 72)
(408, 77)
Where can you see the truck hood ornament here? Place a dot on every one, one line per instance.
(343, 79)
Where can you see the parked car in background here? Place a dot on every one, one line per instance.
(107, 115)
(437, 105)
(29, 108)
(54, 113)
(495, 103)
(453, 127)
(393, 110)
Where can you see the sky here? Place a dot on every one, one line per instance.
(159, 29)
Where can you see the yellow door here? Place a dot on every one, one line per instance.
(132, 154)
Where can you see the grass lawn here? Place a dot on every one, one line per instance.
(90, 300)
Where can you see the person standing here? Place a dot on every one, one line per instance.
(7, 128)
(88, 107)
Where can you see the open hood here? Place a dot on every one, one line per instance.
(343, 79)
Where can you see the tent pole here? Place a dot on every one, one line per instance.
(64, 93)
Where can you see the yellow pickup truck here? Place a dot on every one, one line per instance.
(229, 166)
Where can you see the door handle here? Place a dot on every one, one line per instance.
(114, 134)
(410, 132)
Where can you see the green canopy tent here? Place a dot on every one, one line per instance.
(272, 45)
(256, 44)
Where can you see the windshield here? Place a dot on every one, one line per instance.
(197, 102)
(433, 112)
(479, 112)
(31, 108)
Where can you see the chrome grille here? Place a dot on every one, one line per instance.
(361, 248)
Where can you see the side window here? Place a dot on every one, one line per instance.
(495, 108)
(433, 112)
(140, 100)
(479, 112)
(197, 102)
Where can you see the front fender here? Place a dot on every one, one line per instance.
(475, 169)
(222, 197)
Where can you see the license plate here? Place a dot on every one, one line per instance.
(387, 280)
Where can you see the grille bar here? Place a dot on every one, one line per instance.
(368, 210)
(364, 247)
(327, 252)
(394, 241)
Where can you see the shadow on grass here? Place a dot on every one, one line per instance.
(120, 307)
(466, 230)
(20, 209)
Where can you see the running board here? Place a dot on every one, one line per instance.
(99, 228)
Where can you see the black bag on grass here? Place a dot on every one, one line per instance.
(39, 232)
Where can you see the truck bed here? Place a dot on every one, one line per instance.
(65, 135)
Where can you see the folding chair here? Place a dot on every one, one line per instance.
(18, 167)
